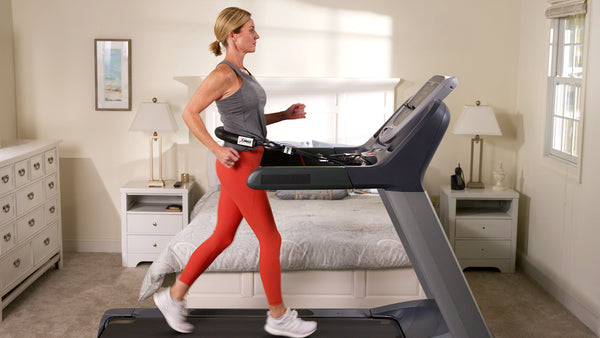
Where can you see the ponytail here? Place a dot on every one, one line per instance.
(215, 47)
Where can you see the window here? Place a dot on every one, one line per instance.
(565, 88)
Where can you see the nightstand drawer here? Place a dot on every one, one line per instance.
(482, 249)
(36, 166)
(483, 228)
(7, 179)
(164, 224)
(7, 208)
(147, 244)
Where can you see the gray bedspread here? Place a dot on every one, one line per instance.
(348, 234)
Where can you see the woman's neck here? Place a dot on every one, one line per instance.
(236, 60)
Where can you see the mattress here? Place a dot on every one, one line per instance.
(350, 233)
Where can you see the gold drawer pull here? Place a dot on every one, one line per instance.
(7, 237)
(17, 263)
(6, 208)
(155, 224)
(51, 185)
(5, 179)
(22, 172)
(47, 241)
(37, 166)
(50, 160)
(52, 209)
(31, 196)
(31, 222)
(154, 245)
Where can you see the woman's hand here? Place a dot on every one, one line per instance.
(227, 156)
(295, 111)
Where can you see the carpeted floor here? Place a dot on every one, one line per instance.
(71, 301)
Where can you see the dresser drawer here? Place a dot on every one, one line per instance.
(147, 243)
(7, 237)
(36, 169)
(45, 244)
(30, 224)
(483, 228)
(7, 179)
(482, 249)
(165, 224)
(7, 208)
(22, 173)
(15, 265)
(30, 197)
(51, 160)
(51, 210)
(51, 185)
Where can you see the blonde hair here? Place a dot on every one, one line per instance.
(230, 19)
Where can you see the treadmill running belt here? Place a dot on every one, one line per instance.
(248, 326)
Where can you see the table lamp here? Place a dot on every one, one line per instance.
(477, 120)
(154, 117)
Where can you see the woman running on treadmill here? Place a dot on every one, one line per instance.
(240, 100)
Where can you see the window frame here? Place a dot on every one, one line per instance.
(555, 78)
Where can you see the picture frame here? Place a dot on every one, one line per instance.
(112, 63)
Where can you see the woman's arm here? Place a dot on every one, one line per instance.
(216, 85)
(295, 111)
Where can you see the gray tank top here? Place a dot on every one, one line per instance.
(243, 113)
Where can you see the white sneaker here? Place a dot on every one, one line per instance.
(289, 325)
(173, 311)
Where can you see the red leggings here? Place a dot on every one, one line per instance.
(238, 201)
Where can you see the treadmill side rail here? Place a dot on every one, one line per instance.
(266, 178)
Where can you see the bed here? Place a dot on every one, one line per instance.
(337, 252)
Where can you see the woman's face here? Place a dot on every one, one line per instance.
(245, 40)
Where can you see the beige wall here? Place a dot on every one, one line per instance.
(8, 111)
(558, 227)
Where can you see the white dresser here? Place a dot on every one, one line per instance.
(30, 222)
(147, 225)
(481, 225)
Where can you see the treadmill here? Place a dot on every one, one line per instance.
(394, 161)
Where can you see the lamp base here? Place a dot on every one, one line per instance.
(475, 185)
(156, 183)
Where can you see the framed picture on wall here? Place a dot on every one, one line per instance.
(112, 61)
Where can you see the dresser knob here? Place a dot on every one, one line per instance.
(31, 196)
(47, 241)
(36, 166)
(52, 209)
(6, 208)
(17, 263)
(22, 172)
(154, 224)
(154, 245)
(31, 222)
(7, 237)
(51, 185)
(50, 160)
(5, 179)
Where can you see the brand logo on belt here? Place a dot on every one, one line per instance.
(245, 141)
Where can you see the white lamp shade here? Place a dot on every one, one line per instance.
(153, 117)
(477, 120)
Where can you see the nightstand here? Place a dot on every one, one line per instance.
(147, 222)
(481, 225)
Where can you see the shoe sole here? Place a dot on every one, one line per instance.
(276, 332)
(159, 303)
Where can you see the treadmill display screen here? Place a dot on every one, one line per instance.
(415, 101)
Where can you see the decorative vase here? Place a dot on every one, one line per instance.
(499, 176)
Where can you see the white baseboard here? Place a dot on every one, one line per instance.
(578, 309)
(88, 245)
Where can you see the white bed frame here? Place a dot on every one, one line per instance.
(308, 289)
(305, 289)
